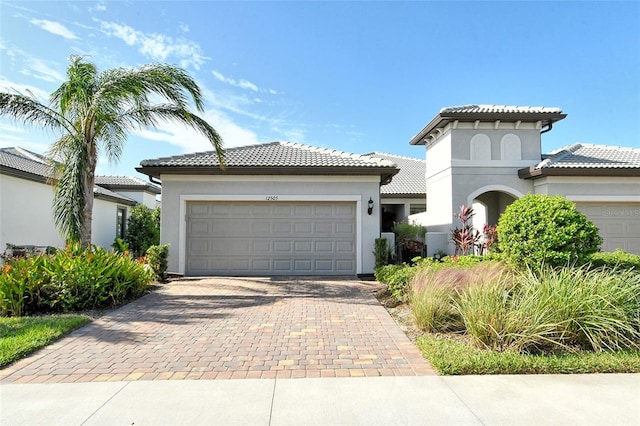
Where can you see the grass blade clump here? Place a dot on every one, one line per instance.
(555, 309)
(593, 309)
(435, 291)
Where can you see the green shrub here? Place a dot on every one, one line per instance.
(381, 252)
(405, 231)
(143, 229)
(157, 257)
(618, 259)
(13, 285)
(540, 229)
(396, 277)
(70, 280)
(120, 246)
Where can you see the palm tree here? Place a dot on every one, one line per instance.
(93, 111)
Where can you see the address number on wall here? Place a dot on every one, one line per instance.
(271, 198)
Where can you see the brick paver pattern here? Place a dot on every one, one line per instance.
(228, 328)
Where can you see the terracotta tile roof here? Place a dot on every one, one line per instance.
(591, 156)
(274, 154)
(410, 180)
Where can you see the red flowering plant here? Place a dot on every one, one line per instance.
(465, 237)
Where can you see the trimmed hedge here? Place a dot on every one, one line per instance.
(540, 229)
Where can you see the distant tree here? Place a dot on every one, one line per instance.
(93, 111)
(143, 229)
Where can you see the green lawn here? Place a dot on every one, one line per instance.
(23, 335)
(450, 357)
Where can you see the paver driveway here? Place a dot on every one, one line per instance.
(214, 328)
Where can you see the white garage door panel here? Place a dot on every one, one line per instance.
(619, 224)
(261, 238)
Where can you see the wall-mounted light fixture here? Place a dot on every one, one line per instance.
(370, 204)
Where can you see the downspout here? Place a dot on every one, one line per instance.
(152, 180)
(549, 127)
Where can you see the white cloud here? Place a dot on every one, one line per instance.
(155, 46)
(101, 7)
(124, 32)
(191, 141)
(158, 47)
(243, 84)
(183, 27)
(273, 127)
(37, 68)
(54, 28)
(10, 86)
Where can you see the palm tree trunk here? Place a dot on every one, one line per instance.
(89, 181)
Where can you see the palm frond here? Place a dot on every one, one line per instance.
(153, 115)
(29, 110)
(136, 84)
(75, 95)
(69, 197)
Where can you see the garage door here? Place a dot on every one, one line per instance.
(619, 224)
(271, 238)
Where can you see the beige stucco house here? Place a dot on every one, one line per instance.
(276, 209)
(489, 155)
(285, 209)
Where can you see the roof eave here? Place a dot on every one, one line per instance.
(156, 171)
(10, 171)
(403, 195)
(147, 188)
(113, 199)
(536, 173)
(442, 120)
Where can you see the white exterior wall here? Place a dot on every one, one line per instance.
(26, 216)
(178, 189)
(439, 185)
(104, 224)
(141, 197)
(590, 188)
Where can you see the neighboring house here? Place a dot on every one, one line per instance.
(405, 195)
(131, 187)
(489, 155)
(26, 199)
(276, 209)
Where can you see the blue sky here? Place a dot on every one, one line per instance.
(352, 76)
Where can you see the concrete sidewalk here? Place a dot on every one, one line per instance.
(598, 399)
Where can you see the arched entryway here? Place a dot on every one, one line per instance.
(490, 202)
